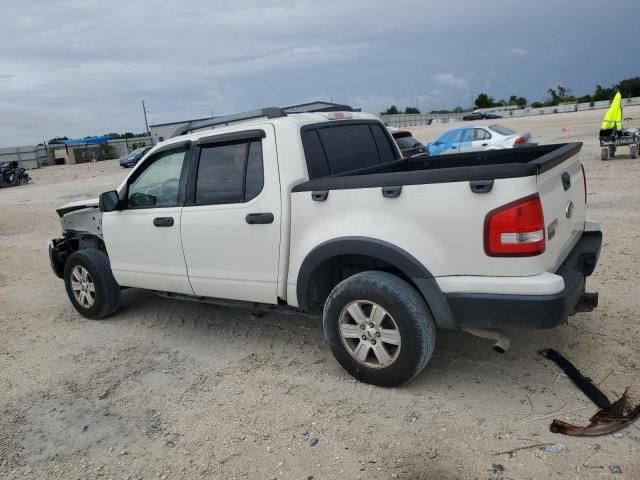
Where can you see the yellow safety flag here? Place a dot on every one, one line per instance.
(613, 117)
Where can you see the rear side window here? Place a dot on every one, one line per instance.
(349, 147)
(383, 144)
(229, 173)
(335, 149)
(502, 130)
(480, 134)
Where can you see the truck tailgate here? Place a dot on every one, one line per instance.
(562, 194)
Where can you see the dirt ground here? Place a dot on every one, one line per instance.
(166, 389)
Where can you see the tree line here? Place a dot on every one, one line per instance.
(629, 87)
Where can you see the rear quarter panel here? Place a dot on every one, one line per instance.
(442, 225)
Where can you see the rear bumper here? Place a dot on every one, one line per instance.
(498, 311)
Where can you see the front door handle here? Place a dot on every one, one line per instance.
(163, 221)
(259, 218)
(484, 144)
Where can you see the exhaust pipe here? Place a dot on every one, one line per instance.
(502, 341)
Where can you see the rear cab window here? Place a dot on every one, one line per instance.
(335, 148)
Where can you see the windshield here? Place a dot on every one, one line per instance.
(139, 150)
(502, 130)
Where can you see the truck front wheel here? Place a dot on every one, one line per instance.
(90, 285)
(379, 328)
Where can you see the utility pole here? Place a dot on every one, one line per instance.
(144, 111)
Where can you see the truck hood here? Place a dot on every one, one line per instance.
(79, 205)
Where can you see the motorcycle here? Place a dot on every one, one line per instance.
(12, 174)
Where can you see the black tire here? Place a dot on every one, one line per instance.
(634, 152)
(107, 290)
(612, 152)
(604, 154)
(408, 311)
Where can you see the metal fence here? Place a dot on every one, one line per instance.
(406, 120)
(27, 156)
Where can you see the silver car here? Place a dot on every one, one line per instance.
(478, 138)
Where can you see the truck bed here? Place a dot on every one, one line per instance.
(489, 165)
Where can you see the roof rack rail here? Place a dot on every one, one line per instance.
(269, 112)
(318, 107)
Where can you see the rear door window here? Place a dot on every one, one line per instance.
(480, 134)
(231, 173)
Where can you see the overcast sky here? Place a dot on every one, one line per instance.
(81, 67)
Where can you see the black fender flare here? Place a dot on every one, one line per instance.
(384, 251)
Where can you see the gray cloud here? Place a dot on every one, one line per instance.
(80, 67)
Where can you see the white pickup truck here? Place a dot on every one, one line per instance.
(318, 212)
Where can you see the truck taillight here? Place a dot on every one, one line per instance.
(584, 179)
(520, 141)
(515, 229)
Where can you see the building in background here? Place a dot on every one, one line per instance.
(163, 131)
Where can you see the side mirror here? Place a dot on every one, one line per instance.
(109, 201)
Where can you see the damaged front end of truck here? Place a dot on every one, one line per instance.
(81, 228)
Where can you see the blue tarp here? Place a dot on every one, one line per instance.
(85, 141)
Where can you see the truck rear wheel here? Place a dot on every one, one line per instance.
(90, 285)
(379, 328)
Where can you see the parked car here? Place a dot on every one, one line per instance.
(132, 158)
(313, 212)
(478, 138)
(409, 146)
(481, 116)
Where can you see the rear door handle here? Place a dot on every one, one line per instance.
(163, 221)
(259, 218)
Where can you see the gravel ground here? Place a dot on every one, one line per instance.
(165, 389)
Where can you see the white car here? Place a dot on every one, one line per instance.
(478, 138)
(318, 212)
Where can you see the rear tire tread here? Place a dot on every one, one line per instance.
(409, 311)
